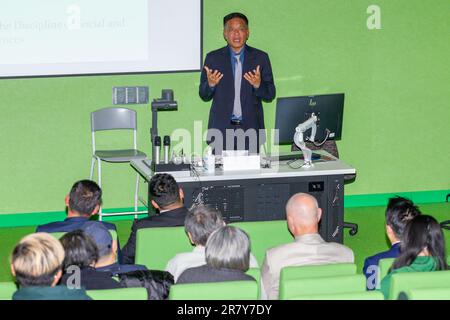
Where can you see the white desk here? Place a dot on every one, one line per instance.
(262, 194)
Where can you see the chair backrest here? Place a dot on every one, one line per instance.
(428, 294)
(402, 282)
(156, 246)
(322, 285)
(6, 290)
(365, 295)
(383, 267)
(228, 290)
(256, 273)
(113, 119)
(119, 294)
(265, 235)
(314, 271)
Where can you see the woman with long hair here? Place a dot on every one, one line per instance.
(422, 249)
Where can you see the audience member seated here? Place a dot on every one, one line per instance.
(83, 202)
(199, 224)
(36, 263)
(167, 198)
(81, 255)
(399, 212)
(303, 216)
(227, 258)
(422, 249)
(107, 250)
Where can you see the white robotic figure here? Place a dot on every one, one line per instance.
(300, 141)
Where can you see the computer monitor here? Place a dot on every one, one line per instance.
(292, 111)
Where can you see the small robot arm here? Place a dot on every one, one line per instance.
(300, 141)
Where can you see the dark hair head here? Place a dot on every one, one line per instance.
(201, 222)
(164, 190)
(422, 232)
(399, 212)
(80, 249)
(84, 196)
(232, 15)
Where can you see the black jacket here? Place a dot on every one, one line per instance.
(91, 279)
(172, 218)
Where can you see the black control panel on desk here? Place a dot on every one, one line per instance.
(265, 199)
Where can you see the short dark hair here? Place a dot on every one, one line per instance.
(399, 212)
(422, 232)
(164, 190)
(232, 15)
(84, 196)
(80, 250)
(200, 222)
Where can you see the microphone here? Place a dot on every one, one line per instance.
(166, 148)
(157, 144)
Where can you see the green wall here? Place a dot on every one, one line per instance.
(396, 81)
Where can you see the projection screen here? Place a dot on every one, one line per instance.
(82, 37)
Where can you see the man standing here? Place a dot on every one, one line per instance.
(237, 78)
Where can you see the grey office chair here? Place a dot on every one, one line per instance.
(115, 119)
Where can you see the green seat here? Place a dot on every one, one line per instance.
(323, 285)
(384, 266)
(156, 246)
(6, 290)
(402, 282)
(366, 295)
(119, 294)
(228, 290)
(265, 235)
(428, 294)
(256, 273)
(314, 271)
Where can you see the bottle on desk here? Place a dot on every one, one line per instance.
(209, 161)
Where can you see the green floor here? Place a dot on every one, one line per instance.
(369, 240)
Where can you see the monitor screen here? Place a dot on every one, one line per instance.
(292, 111)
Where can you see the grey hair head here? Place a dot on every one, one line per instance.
(201, 222)
(228, 247)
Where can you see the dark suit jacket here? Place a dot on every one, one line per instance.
(393, 252)
(223, 94)
(68, 225)
(172, 218)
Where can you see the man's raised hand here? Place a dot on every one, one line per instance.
(254, 77)
(213, 76)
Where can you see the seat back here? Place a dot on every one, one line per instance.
(156, 246)
(265, 235)
(228, 290)
(365, 295)
(323, 285)
(7, 289)
(383, 267)
(119, 294)
(402, 282)
(113, 118)
(256, 273)
(428, 294)
(314, 271)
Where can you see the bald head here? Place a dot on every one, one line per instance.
(303, 214)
